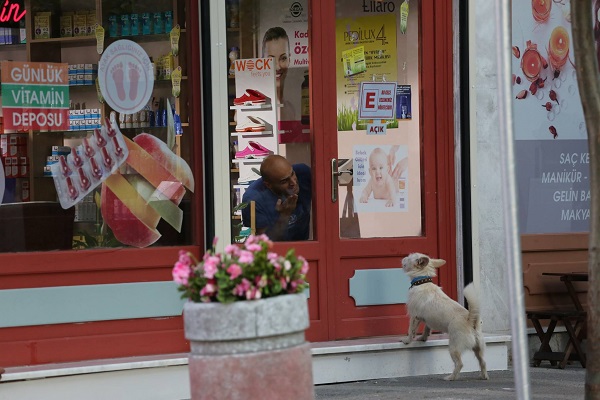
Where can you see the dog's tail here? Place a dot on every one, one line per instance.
(473, 298)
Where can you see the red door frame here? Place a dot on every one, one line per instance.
(345, 320)
(32, 345)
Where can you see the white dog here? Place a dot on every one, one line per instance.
(429, 304)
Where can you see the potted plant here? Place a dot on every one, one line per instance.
(245, 319)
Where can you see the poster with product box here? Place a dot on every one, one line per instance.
(551, 148)
(283, 35)
(366, 50)
(255, 109)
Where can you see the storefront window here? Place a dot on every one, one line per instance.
(96, 136)
(269, 98)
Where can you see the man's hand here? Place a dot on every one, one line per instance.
(286, 207)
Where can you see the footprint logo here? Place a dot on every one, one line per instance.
(134, 80)
(118, 76)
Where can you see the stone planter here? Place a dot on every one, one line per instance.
(249, 349)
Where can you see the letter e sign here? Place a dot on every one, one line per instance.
(377, 100)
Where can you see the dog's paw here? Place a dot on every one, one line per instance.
(485, 376)
(450, 377)
(405, 340)
(422, 338)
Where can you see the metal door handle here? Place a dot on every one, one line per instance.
(334, 180)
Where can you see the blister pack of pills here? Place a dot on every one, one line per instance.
(89, 164)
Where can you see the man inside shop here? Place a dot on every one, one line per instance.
(283, 197)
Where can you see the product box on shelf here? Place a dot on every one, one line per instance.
(80, 23)
(168, 21)
(158, 23)
(4, 145)
(47, 170)
(90, 23)
(125, 24)
(60, 150)
(42, 24)
(72, 74)
(147, 23)
(25, 190)
(7, 169)
(14, 165)
(114, 28)
(134, 24)
(66, 25)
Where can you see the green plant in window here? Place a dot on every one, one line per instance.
(239, 238)
(101, 236)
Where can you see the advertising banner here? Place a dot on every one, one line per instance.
(283, 35)
(366, 48)
(35, 96)
(551, 147)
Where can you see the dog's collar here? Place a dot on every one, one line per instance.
(419, 280)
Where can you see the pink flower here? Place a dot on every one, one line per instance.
(241, 288)
(215, 240)
(294, 285)
(283, 283)
(260, 281)
(231, 249)
(272, 257)
(251, 240)
(264, 238)
(234, 271)
(181, 273)
(304, 269)
(254, 247)
(246, 257)
(211, 266)
(208, 290)
(253, 294)
(184, 257)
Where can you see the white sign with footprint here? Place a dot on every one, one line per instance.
(125, 76)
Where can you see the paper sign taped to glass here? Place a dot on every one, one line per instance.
(380, 178)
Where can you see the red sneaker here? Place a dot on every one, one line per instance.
(249, 98)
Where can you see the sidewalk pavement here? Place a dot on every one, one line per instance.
(545, 382)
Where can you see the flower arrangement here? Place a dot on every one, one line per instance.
(247, 272)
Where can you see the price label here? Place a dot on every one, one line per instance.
(99, 38)
(176, 81)
(175, 34)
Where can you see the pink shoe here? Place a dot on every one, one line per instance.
(252, 152)
(259, 147)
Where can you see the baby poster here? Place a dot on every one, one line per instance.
(380, 178)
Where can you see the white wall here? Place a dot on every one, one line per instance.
(489, 258)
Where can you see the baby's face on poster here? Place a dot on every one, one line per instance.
(378, 168)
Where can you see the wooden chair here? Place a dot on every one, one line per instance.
(575, 324)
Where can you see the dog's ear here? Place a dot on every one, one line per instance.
(437, 262)
(423, 261)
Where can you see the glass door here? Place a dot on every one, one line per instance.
(387, 98)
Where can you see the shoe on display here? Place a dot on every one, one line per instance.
(247, 179)
(253, 152)
(250, 98)
(252, 124)
(259, 147)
